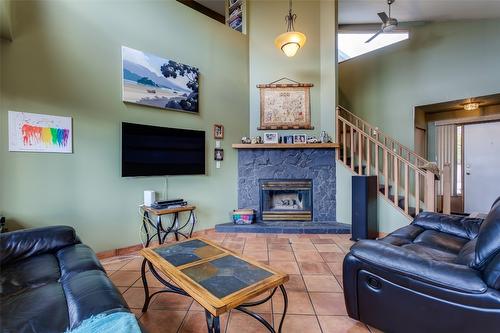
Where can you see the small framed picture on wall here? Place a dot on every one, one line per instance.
(218, 154)
(271, 137)
(218, 131)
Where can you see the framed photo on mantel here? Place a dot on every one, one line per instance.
(285, 106)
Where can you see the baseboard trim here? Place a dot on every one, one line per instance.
(119, 252)
(122, 251)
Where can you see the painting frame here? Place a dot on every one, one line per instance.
(159, 82)
(218, 131)
(273, 95)
(40, 133)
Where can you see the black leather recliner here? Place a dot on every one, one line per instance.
(50, 282)
(440, 274)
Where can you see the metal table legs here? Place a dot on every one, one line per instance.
(153, 230)
(213, 322)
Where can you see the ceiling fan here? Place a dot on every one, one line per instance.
(388, 23)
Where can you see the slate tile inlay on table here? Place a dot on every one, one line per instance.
(226, 275)
(187, 252)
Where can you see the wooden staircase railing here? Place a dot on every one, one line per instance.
(368, 151)
(382, 137)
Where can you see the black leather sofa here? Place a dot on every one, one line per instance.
(50, 282)
(441, 273)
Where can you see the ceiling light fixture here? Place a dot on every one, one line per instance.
(471, 106)
(290, 41)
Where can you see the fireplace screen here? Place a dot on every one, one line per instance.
(289, 199)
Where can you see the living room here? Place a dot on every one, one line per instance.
(64, 62)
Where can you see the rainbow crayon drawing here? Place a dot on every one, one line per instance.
(47, 135)
(39, 133)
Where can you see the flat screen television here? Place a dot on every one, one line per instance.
(160, 151)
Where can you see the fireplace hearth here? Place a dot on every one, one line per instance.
(286, 199)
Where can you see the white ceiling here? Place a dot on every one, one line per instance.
(215, 5)
(365, 11)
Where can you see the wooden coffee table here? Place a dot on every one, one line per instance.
(215, 277)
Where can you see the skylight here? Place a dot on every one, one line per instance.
(353, 44)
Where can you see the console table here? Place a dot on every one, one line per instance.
(155, 228)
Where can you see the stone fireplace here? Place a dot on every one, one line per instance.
(290, 187)
(286, 199)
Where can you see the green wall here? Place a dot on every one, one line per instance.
(314, 63)
(66, 60)
(440, 62)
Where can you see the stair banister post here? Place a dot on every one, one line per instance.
(430, 191)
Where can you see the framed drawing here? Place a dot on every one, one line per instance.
(285, 106)
(154, 81)
(218, 131)
(40, 133)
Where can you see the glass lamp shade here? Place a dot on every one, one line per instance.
(290, 42)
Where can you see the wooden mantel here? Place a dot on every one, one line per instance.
(286, 146)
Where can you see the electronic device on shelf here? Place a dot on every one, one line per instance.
(169, 204)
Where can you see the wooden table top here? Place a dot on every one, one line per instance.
(169, 210)
(214, 276)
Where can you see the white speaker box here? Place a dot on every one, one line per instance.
(149, 198)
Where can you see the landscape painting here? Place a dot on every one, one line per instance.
(40, 133)
(159, 82)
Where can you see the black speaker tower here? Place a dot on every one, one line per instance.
(364, 207)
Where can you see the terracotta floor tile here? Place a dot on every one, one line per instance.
(125, 278)
(303, 247)
(195, 306)
(279, 240)
(314, 268)
(242, 323)
(288, 267)
(329, 304)
(280, 255)
(332, 256)
(308, 256)
(297, 324)
(336, 267)
(341, 324)
(262, 308)
(322, 283)
(310, 236)
(298, 303)
(114, 265)
(152, 281)
(162, 321)
(195, 322)
(133, 265)
(295, 283)
(300, 240)
(170, 301)
(328, 248)
(322, 241)
(135, 297)
(260, 255)
(279, 246)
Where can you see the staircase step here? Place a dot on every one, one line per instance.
(382, 188)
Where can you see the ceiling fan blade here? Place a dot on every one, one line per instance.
(372, 37)
(383, 16)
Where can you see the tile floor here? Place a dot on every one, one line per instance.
(316, 301)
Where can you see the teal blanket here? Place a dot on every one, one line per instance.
(118, 322)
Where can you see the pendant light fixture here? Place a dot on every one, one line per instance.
(290, 41)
